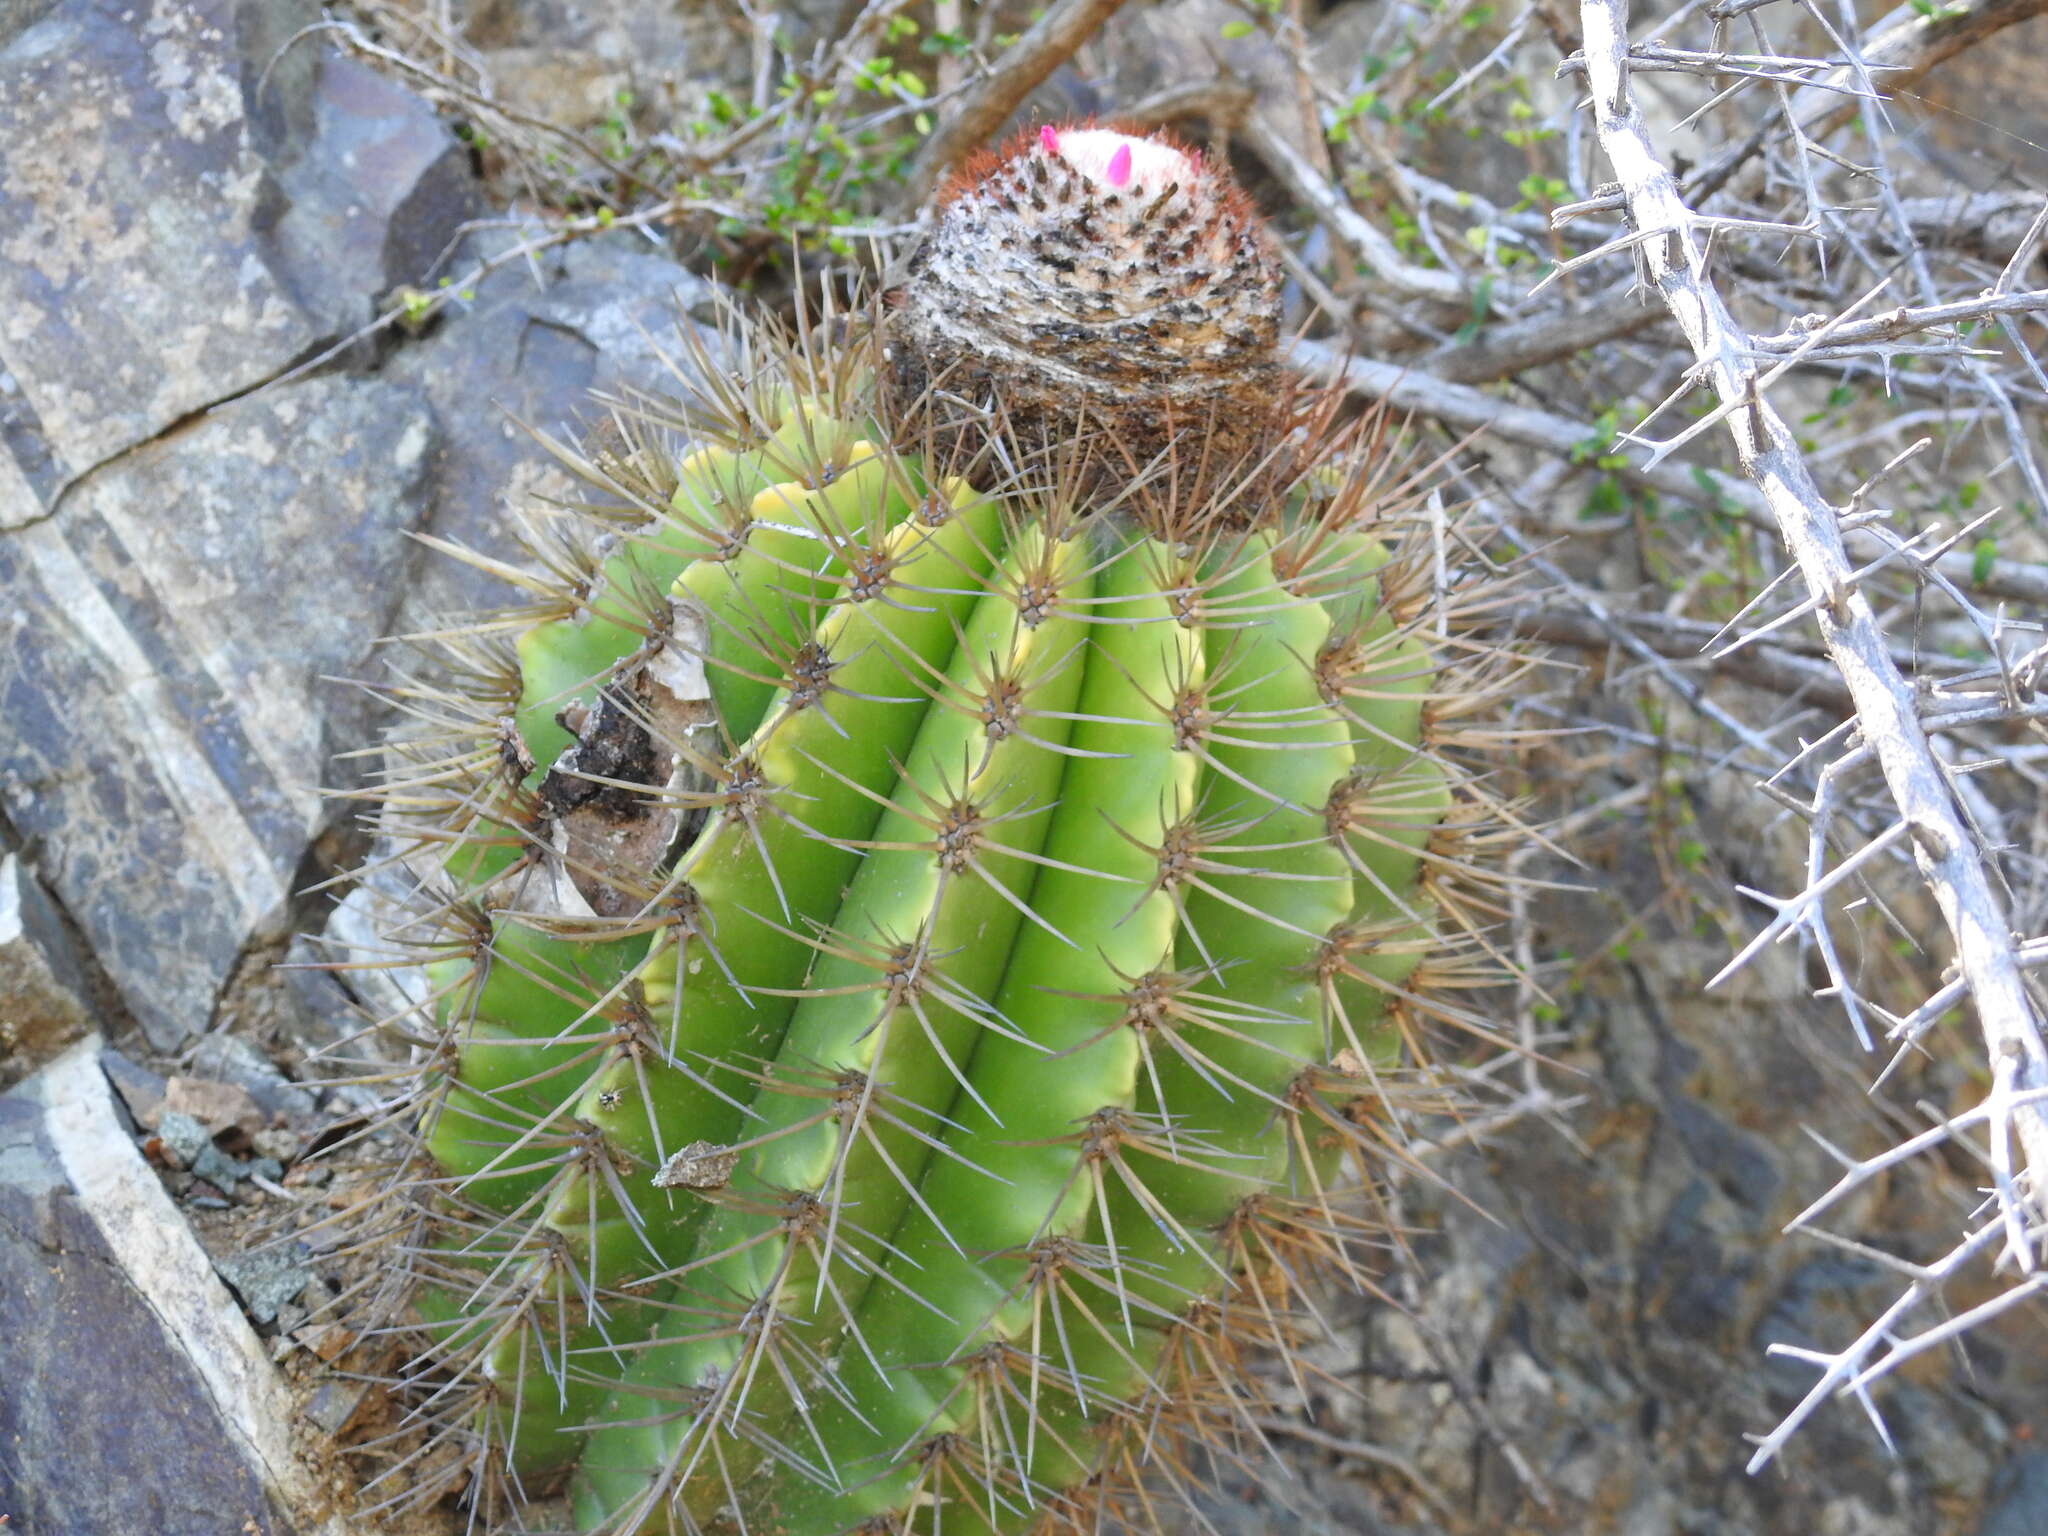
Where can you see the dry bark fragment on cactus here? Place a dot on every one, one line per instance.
(924, 910)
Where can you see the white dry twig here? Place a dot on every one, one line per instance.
(1668, 239)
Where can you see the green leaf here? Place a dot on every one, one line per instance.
(1233, 30)
(1981, 555)
(1606, 427)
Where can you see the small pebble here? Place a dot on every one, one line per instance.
(266, 1280)
(276, 1145)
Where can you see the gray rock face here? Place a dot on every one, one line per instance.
(192, 199)
(195, 547)
(137, 1398)
(602, 318)
(2021, 1503)
(161, 666)
(129, 169)
(134, 160)
(376, 186)
(1591, 1361)
(585, 62)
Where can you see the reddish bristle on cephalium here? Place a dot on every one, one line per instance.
(935, 901)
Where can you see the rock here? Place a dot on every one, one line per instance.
(216, 1106)
(251, 194)
(278, 1146)
(44, 1004)
(139, 1090)
(167, 733)
(241, 237)
(257, 193)
(18, 15)
(328, 1014)
(133, 1394)
(186, 1144)
(587, 63)
(1986, 115)
(377, 186)
(325, 1007)
(1608, 1320)
(334, 1405)
(2020, 1500)
(603, 319)
(233, 1060)
(265, 1280)
(129, 170)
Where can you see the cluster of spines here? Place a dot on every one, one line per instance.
(698, 1170)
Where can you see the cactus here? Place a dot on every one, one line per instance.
(932, 899)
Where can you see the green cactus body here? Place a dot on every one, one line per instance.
(934, 916)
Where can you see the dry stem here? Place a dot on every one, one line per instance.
(1672, 258)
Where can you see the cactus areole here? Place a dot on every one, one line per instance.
(929, 900)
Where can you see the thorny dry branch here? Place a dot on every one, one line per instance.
(1670, 248)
